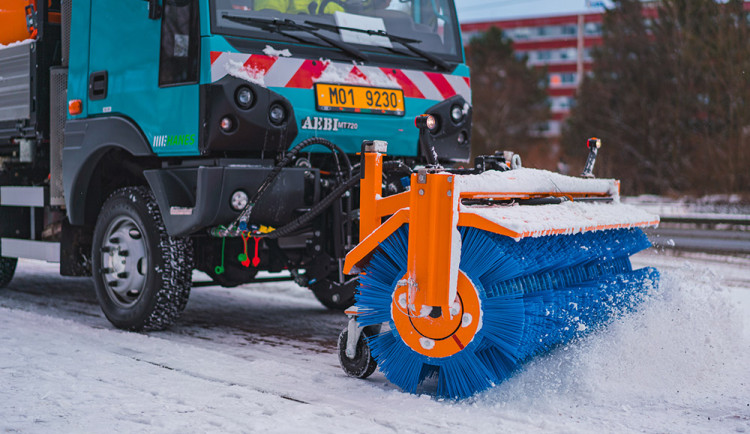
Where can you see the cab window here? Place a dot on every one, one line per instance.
(179, 57)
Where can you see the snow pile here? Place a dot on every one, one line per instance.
(378, 78)
(240, 70)
(16, 44)
(679, 364)
(539, 220)
(525, 180)
(565, 218)
(270, 51)
(260, 358)
(354, 74)
(718, 205)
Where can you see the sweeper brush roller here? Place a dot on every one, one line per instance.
(470, 276)
(524, 298)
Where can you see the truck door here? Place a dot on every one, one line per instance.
(145, 67)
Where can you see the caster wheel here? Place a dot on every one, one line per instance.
(363, 364)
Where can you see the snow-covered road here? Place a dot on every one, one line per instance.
(261, 358)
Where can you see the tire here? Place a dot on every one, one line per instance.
(142, 276)
(334, 295)
(7, 270)
(363, 364)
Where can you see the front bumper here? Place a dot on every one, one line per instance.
(192, 199)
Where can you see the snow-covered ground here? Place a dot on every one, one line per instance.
(261, 358)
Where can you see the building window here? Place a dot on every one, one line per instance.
(468, 36)
(593, 29)
(568, 54)
(561, 103)
(544, 57)
(570, 30)
(568, 78)
(562, 79)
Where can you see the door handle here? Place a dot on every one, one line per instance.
(98, 85)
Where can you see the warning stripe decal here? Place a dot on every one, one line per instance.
(259, 64)
(270, 71)
(306, 74)
(442, 85)
(410, 89)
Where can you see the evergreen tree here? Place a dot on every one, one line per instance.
(509, 97)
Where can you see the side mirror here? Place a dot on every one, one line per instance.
(154, 9)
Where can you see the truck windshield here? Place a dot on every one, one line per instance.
(425, 29)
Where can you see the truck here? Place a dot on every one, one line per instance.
(141, 140)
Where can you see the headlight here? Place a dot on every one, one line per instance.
(457, 113)
(226, 124)
(239, 200)
(462, 138)
(426, 121)
(277, 114)
(244, 97)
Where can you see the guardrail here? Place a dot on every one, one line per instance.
(708, 219)
(714, 233)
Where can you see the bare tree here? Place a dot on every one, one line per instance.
(669, 97)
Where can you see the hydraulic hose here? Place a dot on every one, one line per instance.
(321, 206)
(293, 153)
(240, 224)
(236, 227)
(315, 211)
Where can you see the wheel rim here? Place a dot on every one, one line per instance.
(124, 261)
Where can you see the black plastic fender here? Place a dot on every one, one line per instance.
(86, 141)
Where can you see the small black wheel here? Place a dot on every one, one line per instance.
(335, 295)
(7, 270)
(363, 364)
(142, 276)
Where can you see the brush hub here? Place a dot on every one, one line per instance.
(437, 332)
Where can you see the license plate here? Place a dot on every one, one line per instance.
(359, 99)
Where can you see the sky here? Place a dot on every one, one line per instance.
(481, 10)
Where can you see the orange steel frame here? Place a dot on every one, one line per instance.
(429, 208)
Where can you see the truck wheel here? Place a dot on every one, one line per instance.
(335, 295)
(7, 270)
(142, 276)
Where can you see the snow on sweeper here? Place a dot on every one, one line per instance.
(142, 139)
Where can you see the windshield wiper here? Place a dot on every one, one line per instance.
(406, 42)
(282, 27)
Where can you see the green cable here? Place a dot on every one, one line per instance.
(220, 268)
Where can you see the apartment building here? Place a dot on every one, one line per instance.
(561, 43)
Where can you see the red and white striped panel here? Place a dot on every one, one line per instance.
(271, 71)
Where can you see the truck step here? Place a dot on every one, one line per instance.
(41, 250)
(22, 196)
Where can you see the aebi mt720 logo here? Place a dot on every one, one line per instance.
(327, 124)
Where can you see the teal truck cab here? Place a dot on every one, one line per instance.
(155, 137)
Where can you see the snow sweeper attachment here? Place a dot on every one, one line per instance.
(474, 272)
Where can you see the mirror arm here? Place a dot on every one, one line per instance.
(154, 9)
